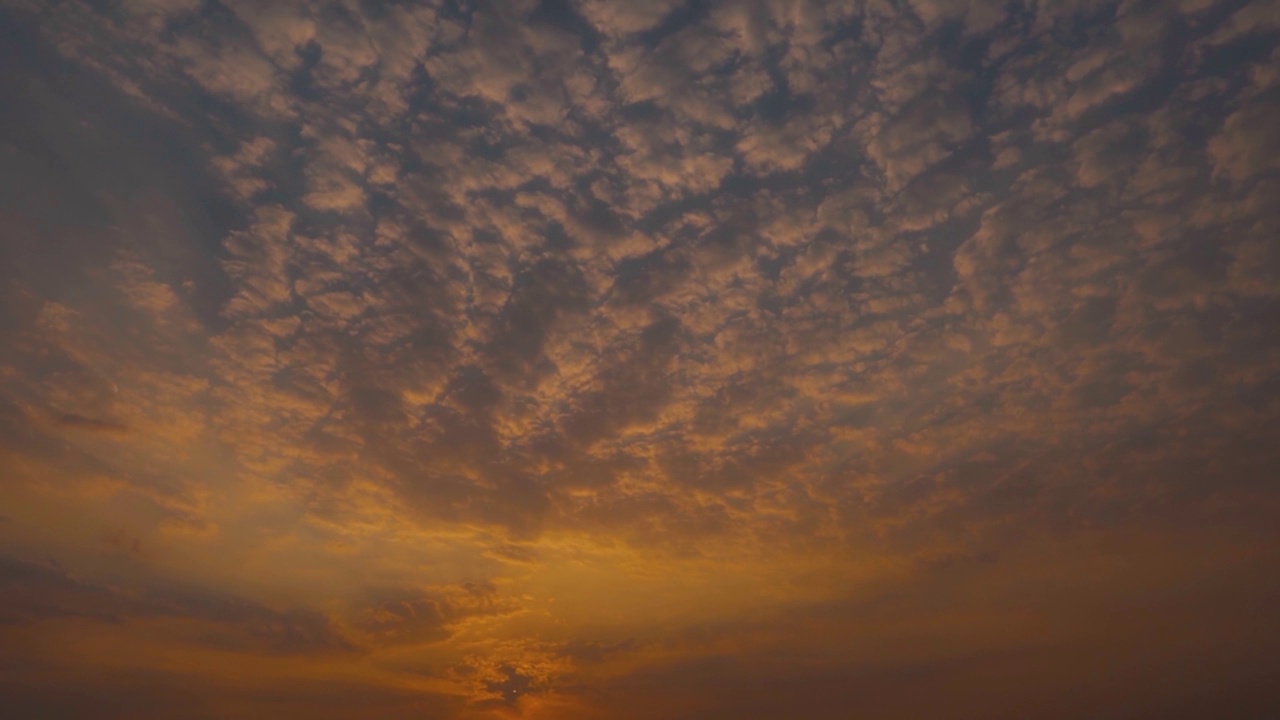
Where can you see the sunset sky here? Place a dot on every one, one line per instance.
(639, 360)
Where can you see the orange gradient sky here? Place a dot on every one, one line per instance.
(609, 360)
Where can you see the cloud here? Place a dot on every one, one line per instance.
(620, 18)
(599, 359)
(80, 422)
(417, 616)
(35, 592)
(1247, 142)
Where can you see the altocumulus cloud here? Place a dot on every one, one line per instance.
(590, 358)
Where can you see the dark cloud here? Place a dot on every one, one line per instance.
(33, 592)
(153, 695)
(80, 422)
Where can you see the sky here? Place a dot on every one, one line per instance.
(605, 359)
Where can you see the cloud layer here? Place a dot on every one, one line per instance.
(612, 359)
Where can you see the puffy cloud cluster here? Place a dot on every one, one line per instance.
(398, 311)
